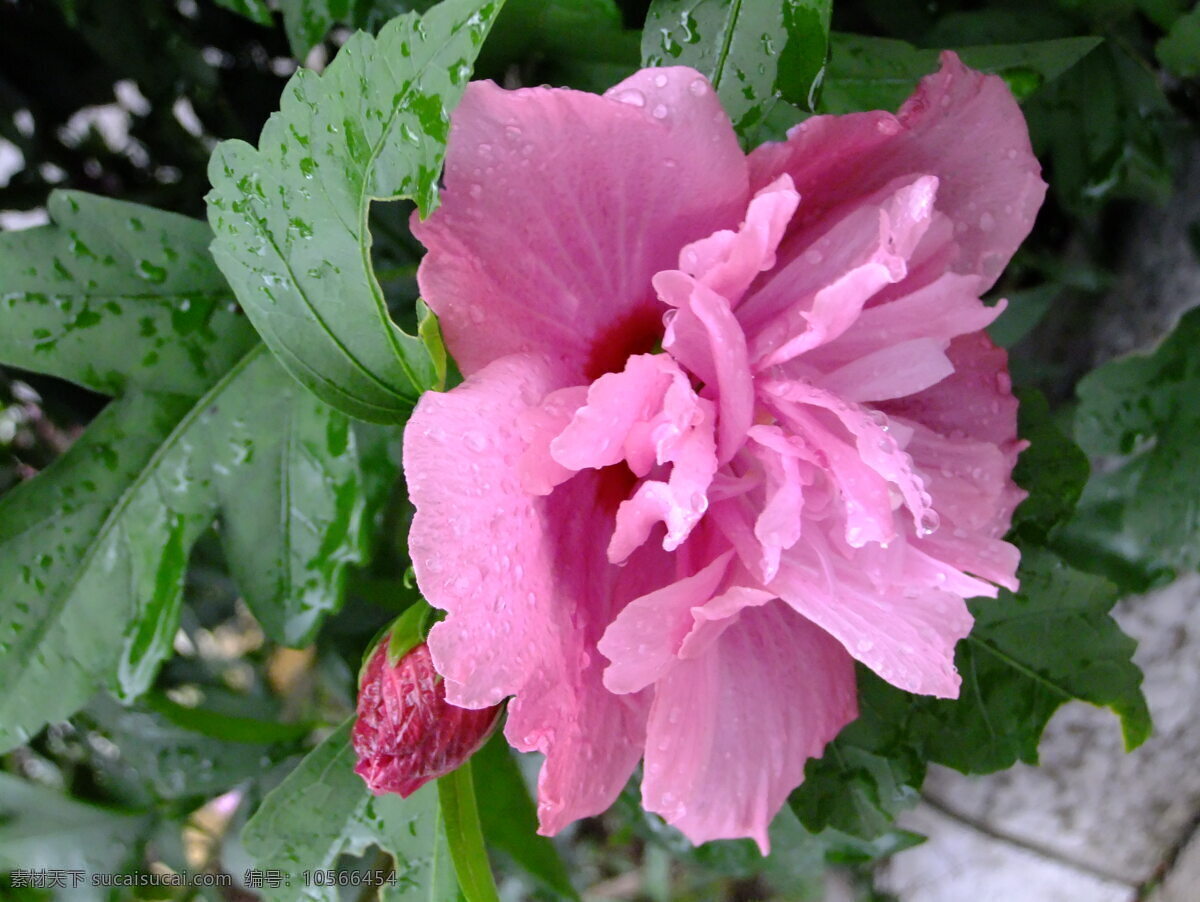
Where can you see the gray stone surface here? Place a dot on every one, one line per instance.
(958, 863)
(1182, 882)
(1089, 812)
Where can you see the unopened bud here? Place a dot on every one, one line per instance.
(406, 733)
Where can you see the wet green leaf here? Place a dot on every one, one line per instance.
(869, 73)
(1029, 653)
(1143, 407)
(754, 53)
(871, 772)
(1052, 469)
(323, 809)
(93, 550)
(116, 297)
(290, 216)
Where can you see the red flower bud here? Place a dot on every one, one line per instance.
(406, 733)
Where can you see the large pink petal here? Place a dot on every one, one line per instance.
(525, 584)
(560, 206)
(478, 540)
(730, 731)
(961, 125)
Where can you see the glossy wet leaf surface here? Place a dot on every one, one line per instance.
(323, 809)
(94, 550)
(754, 53)
(116, 298)
(290, 216)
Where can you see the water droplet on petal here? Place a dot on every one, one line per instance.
(698, 87)
(987, 222)
(659, 112)
(929, 523)
(660, 81)
(631, 97)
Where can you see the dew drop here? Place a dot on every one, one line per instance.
(698, 87)
(929, 523)
(813, 256)
(987, 222)
(659, 112)
(631, 97)
(512, 133)
(660, 81)
(476, 191)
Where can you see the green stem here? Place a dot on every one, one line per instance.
(456, 794)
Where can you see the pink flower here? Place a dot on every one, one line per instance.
(678, 556)
(405, 734)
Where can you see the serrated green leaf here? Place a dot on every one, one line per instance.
(41, 828)
(869, 773)
(754, 53)
(92, 552)
(509, 818)
(1053, 470)
(117, 297)
(323, 809)
(1144, 406)
(869, 73)
(290, 217)
(1029, 653)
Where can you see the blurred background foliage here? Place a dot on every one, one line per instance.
(127, 98)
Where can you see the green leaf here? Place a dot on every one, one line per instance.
(754, 53)
(869, 773)
(1029, 653)
(1052, 469)
(323, 809)
(1144, 406)
(161, 751)
(1103, 129)
(255, 10)
(869, 73)
(509, 818)
(308, 21)
(41, 828)
(116, 297)
(1179, 51)
(290, 217)
(93, 550)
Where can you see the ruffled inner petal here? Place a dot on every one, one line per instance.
(819, 294)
